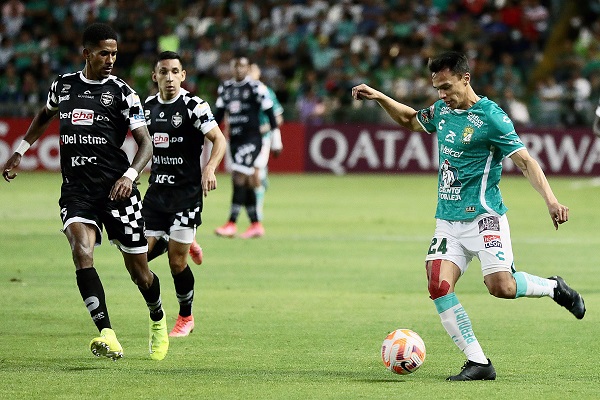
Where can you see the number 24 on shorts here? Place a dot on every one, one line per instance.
(441, 248)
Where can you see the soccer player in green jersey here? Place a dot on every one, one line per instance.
(271, 143)
(474, 136)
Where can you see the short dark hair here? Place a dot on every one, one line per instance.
(168, 55)
(455, 61)
(96, 32)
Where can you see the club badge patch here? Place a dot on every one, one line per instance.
(106, 99)
(176, 120)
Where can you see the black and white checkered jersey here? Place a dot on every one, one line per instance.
(95, 117)
(177, 127)
(243, 101)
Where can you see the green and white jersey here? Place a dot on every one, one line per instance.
(472, 144)
(263, 120)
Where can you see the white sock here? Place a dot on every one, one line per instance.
(458, 325)
(533, 286)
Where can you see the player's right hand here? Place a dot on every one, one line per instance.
(12, 163)
(363, 92)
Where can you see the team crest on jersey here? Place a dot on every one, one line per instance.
(176, 120)
(467, 134)
(106, 99)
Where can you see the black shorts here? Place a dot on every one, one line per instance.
(243, 155)
(157, 220)
(123, 220)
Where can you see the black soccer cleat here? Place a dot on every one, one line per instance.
(568, 298)
(473, 371)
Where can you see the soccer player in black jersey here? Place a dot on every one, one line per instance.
(178, 122)
(96, 110)
(242, 98)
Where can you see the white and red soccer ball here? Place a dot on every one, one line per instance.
(403, 351)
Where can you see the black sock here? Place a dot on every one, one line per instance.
(184, 288)
(250, 204)
(160, 247)
(92, 293)
(237, 200)
(152, 297)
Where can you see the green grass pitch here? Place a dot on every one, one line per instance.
(302, 312)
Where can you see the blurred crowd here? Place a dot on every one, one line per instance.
(313, 51)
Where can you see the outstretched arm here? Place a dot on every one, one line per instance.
(405, 115)
(36, 129)
(533, 172)
(209, 179)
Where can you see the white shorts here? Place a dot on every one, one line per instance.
(263, 157)
(486, 237)
(180, 234)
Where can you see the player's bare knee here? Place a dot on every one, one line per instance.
(83, 254)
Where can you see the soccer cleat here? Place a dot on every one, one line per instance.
(196, 253)
(183, 327)
(107, 345)
(159, 339)
(255, 230)
(568, 298)
(227, 230)
(473, 371)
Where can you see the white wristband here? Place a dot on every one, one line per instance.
(23, 147)
(131, 173)
(276, 143)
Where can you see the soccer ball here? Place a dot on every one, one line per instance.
(403, 351)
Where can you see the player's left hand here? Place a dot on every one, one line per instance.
(209, 181)
(121, 189)
(559, 214)
(11, 163)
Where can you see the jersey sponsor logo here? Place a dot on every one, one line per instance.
(490, 241)
(106, 98)
(235, 107)
(450, 186)
(474, 119)
(82, 116)
(445, 150)
(161, 140)
(470, 209)
(163, 178)
(64, 98)
(176, 120)
(78, 161)
(467, 134)
(491, 223)
(167, 160)
(450, 137)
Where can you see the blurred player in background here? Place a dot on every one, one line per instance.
(474, 136)
(242, 99)
(178, 123)
(96, 109)
(271, 142)
(596, 125)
